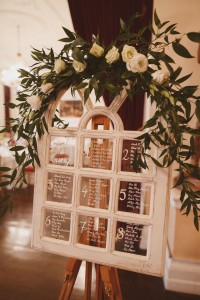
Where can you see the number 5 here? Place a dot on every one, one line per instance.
(123, 194)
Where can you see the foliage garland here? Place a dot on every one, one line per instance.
(130, 62)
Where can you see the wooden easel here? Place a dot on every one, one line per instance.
(107, 280)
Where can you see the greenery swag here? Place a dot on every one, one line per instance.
(130, 62)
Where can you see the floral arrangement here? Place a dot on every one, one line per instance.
(132, 63)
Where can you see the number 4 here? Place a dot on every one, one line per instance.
(84, 191)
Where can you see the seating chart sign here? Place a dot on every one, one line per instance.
(90, 203)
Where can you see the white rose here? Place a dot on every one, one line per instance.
(128, 52)
(78, 66)
(35, 102)
(22, 142)
(160, 76)
(112, 55)
(46, 88)
(96, 50)
(59, 65)
(138, 63)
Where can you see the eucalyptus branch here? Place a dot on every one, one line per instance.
(93, 67)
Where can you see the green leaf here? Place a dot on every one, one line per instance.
(65, 40)
(156, 19)
(184, 78)
(86, 94)
(156, 162)
(37, 159)
(13, 175)
(185, 203)
(125, 36)
(17, 148)
(68, 73)
(5, 169)
(164, 23)
(78, 55)
(176, 73)
(197, 110)
(196, 218)
(122, 24)
(110, 87)
(194, 36)
(30, 150)
(45, 124)
(4, 183)
(126, 74)
(69, 33)
(150, 123)
(81, 85)
(170, 27)
(35, 143)
(181, 50)
(27, 163)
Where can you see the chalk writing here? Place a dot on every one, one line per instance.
(98, 153)
(92, 231)
(129, 148)
(129, 238)
(56, 224)
(134, 197)
(59, 187)
(95, 192)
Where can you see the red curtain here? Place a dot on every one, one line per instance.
(102, 17)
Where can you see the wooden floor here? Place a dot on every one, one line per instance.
(29, 274)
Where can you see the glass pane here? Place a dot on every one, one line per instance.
(99, 122)
(92, 231)
(95, 192)
(56, 224)
(128, 150)
(98, 153)
(62, 149)
(131, 238)
(69, 111)
(60, 187)
(134, 197)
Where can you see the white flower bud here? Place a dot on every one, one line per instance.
(35, 102)
(46, 88)
(112, 55)
(160, 76)
(96, 50)
(78, 66)
(59, 65)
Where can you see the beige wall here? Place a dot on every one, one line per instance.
(186, 13)
(183, 239)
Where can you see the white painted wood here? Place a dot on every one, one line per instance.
(182, 276)
(154, 223)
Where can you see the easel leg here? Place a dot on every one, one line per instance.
(99, 285)
(112, 290)
(88, 281)
(72, 268)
